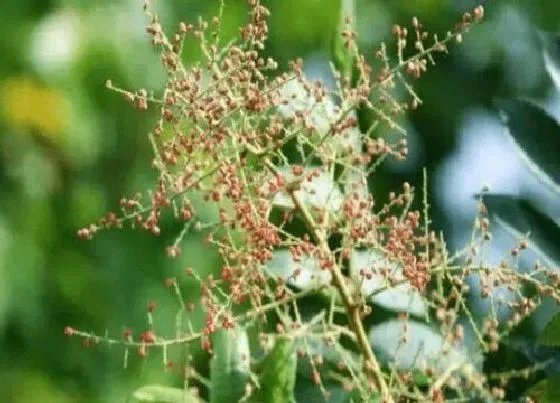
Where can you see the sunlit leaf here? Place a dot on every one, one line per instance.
(164, 394)
(536, 136)
(417, 347)
(519, 217)
(229, 368)
(65, 28)
(551, 55)
(309, 274)
(279, 375)
(299, 99)
(321, 192)
(322, 115)
(550, 336)
(401, 297)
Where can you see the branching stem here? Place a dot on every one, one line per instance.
(353, 307)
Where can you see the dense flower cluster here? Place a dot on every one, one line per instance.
(274, 153)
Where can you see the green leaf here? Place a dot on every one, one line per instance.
(344, 58)
(278, 379)
(420, 378)
(355, 397)
(164, 394)
(520, 216)
(550, 336)
(536, 135)
(229, 368)
(308, 392)
(545, 391)
(331, 356)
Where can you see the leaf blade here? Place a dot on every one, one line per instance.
(536, 135)
(550, 336)
(163, 394)
(520, 216)
(229, 368)
(309, 274)
(422, 346)
(279, 376)
(546, 390)
(401, 297)
(551, 55)
(341, 55)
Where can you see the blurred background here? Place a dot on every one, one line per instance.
(70, 149)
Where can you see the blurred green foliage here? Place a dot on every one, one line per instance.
(69, 149)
